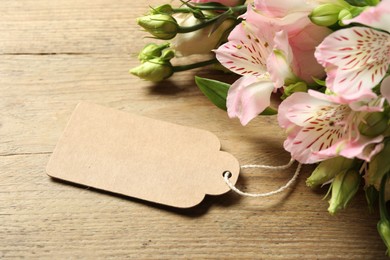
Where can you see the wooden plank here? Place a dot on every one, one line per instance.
(70, 26)
(38, 93)
(42, 218)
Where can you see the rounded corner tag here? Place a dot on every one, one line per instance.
(141, 157)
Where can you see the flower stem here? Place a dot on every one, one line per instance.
(226, 15)
(239, 9)
(194, 65)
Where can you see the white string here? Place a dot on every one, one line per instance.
(270, 167)
(227, 175)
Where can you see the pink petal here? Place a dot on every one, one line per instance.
(280, 8)
(292, 23)
(352, 149)
(356, 60)
(303, 46)
(279, 61)
(385, 88)
(299, 108)
(246, 51)
(248, 97)
(377, 16)
(366, 102)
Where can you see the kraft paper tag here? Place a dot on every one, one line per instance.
(141, 157)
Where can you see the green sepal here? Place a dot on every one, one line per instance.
(319, 81)
(269, 111)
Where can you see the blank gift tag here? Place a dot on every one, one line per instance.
(141, 157)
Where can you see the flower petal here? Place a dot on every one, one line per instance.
(352, 149)
(376, 16)
(279, 8)
(292, 22)
(299, 108)
(246, 51)
(248, 97)
(279, 61)
(303, 46)
(356, 58)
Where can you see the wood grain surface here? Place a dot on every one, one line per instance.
(54, 54)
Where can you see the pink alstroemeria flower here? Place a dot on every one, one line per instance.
(250, 53)
(319, 129)
(303, 36)
(356, 59)
(224, 2)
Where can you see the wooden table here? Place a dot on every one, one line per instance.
(55, 54)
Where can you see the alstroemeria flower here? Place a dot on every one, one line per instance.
(319, 128)
(303, 36)
(250, 53)
(356, 60)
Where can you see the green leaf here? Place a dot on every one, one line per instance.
(363, 3)
(269, 111)
(214, 90)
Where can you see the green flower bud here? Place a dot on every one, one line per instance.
(344, 15)
(151, 51)
(327, 170)
(161, 26)
(373, 124)
(162, 9)
(296, 87)
(379, 166)
(344, 187)
(326, 14)
(384, 231)
(167, 54)
(153, 70)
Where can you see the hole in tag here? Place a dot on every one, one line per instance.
(227, 174)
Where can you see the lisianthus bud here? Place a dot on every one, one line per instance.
(344, 187)
(296, 87)
(151, 51)
(162, 9)
(384, 231)
(373, 124)
(344, 15)
(201, 41)
(167, 54)
(162, 26)
(153, 70)
(326, 14)
(327, 170)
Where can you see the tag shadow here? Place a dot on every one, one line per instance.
(224, 200)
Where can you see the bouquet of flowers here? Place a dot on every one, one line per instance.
(328, 62)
